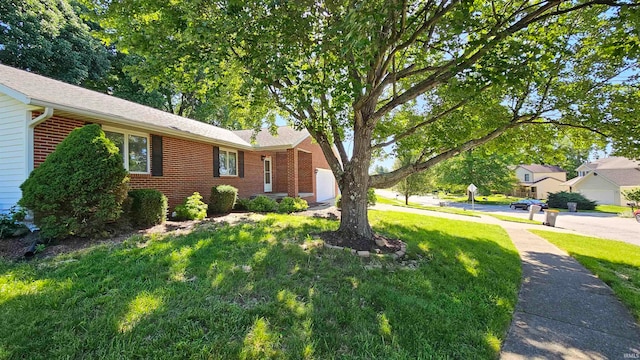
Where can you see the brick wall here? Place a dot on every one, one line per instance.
(318, 161)
(280, 172)
(187, 165)
(306, 172)
(48, 134)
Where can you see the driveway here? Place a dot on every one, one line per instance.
(606, 226)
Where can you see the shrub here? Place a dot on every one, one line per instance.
(560, 199)
(192, 209)
(289, 205)
(79, 188)
(10, 223)
(263, 204)
(148, 207)
(371, 198)
(242, 204)
(222, 199)
(632, 195)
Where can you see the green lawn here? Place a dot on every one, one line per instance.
(443, 209)
(451, 210)
(615, 262)
(251, 291)
(495, 199)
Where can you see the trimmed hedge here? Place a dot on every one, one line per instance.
(262, 204)
(192, 209)
(560, 199)
(222, 199)
(148, 207)
(242, 204)
(79, 189)
(289, 205)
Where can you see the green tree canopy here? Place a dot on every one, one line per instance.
(439, 77)
(48, 38)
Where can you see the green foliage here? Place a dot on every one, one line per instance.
(10, 222)
(148, 207)
(560, 199)
(632, 195)
(222, 199)
(262, 203)
(440, 79)
(242, 204)
(192, 209)
(290, 205)
(79, 189)
(490, 172)
(371, 197)
(47, 37)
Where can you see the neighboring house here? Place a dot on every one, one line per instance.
(604, 180)
(536, 181)
(162, 151)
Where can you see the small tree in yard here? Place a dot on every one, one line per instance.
(79, 188)
(632, 195)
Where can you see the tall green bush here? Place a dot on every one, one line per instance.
(222, 199)
(192, 209)
(148, 207)
(79, 188)
(560, 199)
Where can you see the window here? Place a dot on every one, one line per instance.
(134, 149)
(526, 177)
(228, 163)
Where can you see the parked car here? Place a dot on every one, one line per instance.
(637, 215)
(526, 203)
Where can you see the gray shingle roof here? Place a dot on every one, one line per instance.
(42, 91)
(621, 177)
(614, 162)
(286, 137)
(537, 168)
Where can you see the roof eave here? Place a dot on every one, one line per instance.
(15, 94)
(125, 121)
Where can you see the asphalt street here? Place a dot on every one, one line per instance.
(606, 226)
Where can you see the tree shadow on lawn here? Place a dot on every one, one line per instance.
(252, 291)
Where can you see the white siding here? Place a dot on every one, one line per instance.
(13, 156)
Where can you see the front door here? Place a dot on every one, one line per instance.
(267, 175)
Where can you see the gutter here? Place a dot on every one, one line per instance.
(48, 112)
(149, 127)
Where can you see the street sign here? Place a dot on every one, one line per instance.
(472, 188)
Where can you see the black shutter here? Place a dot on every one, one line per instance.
(216, 161)
(156, 155)
(241, 164)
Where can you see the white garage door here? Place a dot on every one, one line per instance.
(325, 185)
(601, 196)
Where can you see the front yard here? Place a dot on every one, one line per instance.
(266, 290)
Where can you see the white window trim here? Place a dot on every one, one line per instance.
(220, 151)
(126, 133)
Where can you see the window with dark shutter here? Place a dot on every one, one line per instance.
(216, 161)
(156, 155)
(241, 164)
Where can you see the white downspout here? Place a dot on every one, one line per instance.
(48, 112)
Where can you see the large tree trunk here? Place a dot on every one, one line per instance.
(354, 220)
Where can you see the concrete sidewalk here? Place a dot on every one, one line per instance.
(563, 311)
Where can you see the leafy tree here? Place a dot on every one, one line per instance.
(632, 195)
(80, 187)
(490, 172)
(47, 37)
(440, 77)
(414, 184)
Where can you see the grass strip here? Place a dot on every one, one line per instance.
(614, 262)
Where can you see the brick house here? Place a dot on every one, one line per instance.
(160, 150)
